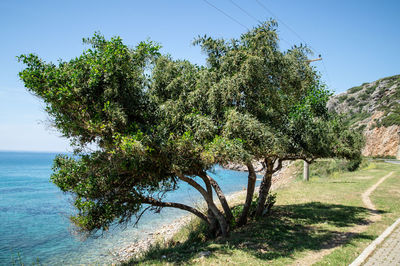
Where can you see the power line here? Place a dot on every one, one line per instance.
(298, 36)
(248, 14)
(244, 11)
(286, 25)
(227, 15)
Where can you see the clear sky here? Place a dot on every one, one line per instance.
(359, 41)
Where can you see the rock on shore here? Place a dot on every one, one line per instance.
(165, 233)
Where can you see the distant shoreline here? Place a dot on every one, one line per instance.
(42, 152)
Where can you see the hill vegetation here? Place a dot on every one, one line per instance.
(374, 109)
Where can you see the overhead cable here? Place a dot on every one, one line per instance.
(227, 15)
(244, 11)
(286, 25)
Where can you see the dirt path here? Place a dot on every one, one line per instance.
(341, 239)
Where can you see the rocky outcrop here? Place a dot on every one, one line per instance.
(382, 142)
(373, 108)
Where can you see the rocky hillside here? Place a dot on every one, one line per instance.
(373, 108)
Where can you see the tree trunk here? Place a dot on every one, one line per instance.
(306, 171)
(213, 223)
(220, 195)
(264, 187)
(224, 226)
(251, 184)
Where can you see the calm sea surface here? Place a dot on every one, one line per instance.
(34, 222)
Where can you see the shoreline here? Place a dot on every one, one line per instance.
(167, 231)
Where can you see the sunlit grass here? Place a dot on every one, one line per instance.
(307, 217)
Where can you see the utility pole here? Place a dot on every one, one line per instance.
(316, 59)
(306, 168)
(306, 171)
(313, 60)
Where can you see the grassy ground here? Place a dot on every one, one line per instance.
(307, 217)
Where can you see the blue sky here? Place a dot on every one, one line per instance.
(358, 40)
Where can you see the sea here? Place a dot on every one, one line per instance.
(34, 224)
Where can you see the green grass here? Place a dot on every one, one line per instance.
(307, 217)
(386, 199)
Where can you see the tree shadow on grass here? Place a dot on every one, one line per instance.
(289, 229)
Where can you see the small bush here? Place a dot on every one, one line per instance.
(362, 127)
(392, 119)
(364, 96)
(351, 99)
(354, 164)
(342, 98)
(371, 89)
(361, 104)
(356, 117)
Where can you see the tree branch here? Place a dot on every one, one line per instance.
(194, 184)
(279, 166)
(154, 202)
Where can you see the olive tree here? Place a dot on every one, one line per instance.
(109, 98)
(156, 122)
(274, 102)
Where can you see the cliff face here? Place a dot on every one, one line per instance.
(374, 109)
(381, 141)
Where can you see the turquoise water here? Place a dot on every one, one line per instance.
(34, 214)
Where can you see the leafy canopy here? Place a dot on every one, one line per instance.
(154, 120)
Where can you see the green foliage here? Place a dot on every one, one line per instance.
(364, 96)
(355, 89)
(353, 118)
(154, 120)
(342, 98)
(390, 105)
(361, 104)
(371, 89)
(361, 127)
(354, 164)
(392, 78)
(389, 120)
(91, 95)
(351, 100)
